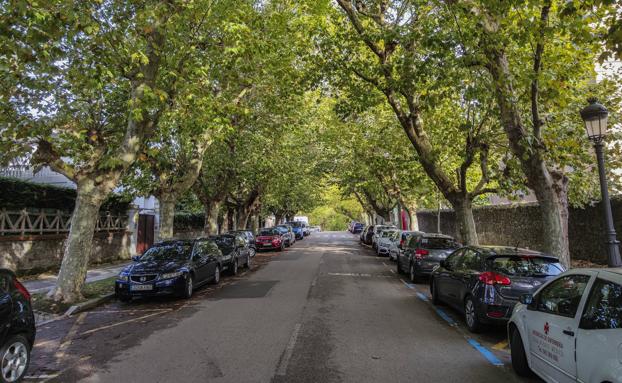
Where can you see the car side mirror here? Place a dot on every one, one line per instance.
(136, 258)
(526, 299)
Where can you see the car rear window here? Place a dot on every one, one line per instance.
(268, 232)
(438, 243)
(527, 266)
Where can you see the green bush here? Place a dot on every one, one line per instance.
(16, 194)
(189, 221)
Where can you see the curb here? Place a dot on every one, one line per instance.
(80, 307)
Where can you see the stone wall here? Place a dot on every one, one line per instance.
(38, 253)
(521, 225)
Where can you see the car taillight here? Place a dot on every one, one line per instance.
(402, 243)
(491, 278)
(21, 289)
(420, 253)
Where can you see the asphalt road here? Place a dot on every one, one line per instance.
(325, 310)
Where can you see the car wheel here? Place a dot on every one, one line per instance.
(248, 261)
(412, 274)
(216, 279)
(253, 252)
(399, 269)
(470, 315)
(189, 288)
(234, 267)
(15, 356)
(436, 300)
(519, 358)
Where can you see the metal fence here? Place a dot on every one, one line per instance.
(32, 222)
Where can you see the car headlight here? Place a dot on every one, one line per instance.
(123, 277)
(171, 275)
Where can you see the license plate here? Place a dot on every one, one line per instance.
(267, 245)
(141, 287)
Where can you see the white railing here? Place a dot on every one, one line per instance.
(29, 222)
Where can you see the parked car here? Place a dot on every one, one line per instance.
(485, 282)
(376, 233)
(306, 229)
(397, 247)
(315, 229)
(174, 267)
(357, 228)
(250, 239)
(385, 239)
(367, 234)
(423, 253)
(298, 229)
(235, 251)
(288, 234)
(270, 238)
(570, 330)
(17, 328)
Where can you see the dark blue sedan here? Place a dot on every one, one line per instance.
(171, 268)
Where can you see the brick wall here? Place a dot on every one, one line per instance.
(521, 225)
(38, 253)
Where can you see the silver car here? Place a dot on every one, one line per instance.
(377, 230)
(385, 239)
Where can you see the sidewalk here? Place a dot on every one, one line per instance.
(45, 283)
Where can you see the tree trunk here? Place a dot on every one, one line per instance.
(242, 217)
(230, 219)
(553, 203)
(255, 223)
(211, 209)
(278, 218)
(167, 215)
(465, 224)
(72, 274)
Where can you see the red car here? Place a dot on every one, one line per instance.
(270, 238)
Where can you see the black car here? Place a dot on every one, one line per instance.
(357, 228)
(423, 252)
(250, 239)
(235, 251)
(17, 328)
(170, 268)
(485, 282)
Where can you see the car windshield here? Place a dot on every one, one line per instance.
(282, 229)
(223, 241)
(388, 233)
(527, 266)
(438, 243)
(172, 252)
(295, 224)
(269, 232)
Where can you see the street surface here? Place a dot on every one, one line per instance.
(325, 310)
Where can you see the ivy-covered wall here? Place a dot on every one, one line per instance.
(521, 225)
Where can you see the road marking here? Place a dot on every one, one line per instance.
(289, 350)
(391, 270)
(127, 311)
(385, 264)
(446, 317)
(485, 352)
(501, 345)
(60, 352)
(41, 376)
(120, 323)
(350, 274)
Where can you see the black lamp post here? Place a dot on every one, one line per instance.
(595, 118)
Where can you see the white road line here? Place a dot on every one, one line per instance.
(60, 352)
(289, 350)
(120, 323)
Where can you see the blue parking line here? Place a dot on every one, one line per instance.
(485, 352)
(444, 315)
(422, 296)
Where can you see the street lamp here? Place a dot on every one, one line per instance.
(595, 118)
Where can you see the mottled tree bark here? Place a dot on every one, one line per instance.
(465, 223)
(211, 209)
(167, 216)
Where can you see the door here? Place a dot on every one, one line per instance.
(200, 261)
(6, 304)
(445, 280)
(552, 325)
(465, 275)
(599, 339)
(145, 232)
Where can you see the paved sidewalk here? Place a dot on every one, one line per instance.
(46, 282)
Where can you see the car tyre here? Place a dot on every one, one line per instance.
(519, 358)
(434, 291)
(248, 261)
(471, 316)
(412, 273)
(216, 279)
(399, 269)
(189, 287)
(14, 359)
(234, 266)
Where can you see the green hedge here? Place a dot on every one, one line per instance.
(16, 194)
(189, 221)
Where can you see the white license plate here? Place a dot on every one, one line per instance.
(141, 287)
(267, 245)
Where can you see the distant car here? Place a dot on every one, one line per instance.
(396, 248)
(250, 238)
(423, 253)
(17, 328)
(385, 239)
(174, 267)
(288, 234)
(270, 238)
(485, 282)
(235, 251)
(376, 233)
(570, 330)
(367, 234)
(357, 228)
(298, 229)
(306, 229)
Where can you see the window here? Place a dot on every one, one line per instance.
(471, 260)
(412, 241)
(438, 243)
(527, 266)
(604, 307)
(562, 297)
(454, 259)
